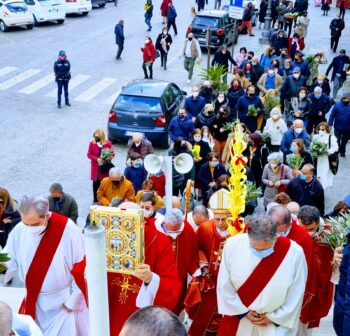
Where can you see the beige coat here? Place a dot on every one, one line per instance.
(278, 83)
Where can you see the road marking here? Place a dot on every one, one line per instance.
(37, 85)
(113, 97)
(18, 79)
(73, 83)
(96, 89)
(6, 70)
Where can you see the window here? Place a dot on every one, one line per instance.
(30, 2)
(169, 97)
(137, 104)
(205, 21)
(176, 91)
(14, 7)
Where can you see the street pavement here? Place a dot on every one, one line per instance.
(41, 144)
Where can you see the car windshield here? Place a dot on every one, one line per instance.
(16, 7)
(47, 3)
(205, 21)
(137, 104)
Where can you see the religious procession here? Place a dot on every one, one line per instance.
(238, 226)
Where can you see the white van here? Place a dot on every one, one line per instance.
(47, 10)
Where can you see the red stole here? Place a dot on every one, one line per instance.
(256, 283)
(41, 263)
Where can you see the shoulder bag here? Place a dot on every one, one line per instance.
(333, 159)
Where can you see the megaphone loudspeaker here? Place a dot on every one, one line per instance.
(183, 163)
(153, 163)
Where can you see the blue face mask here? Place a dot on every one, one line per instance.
(293, 149)
(181, 116)
(197, 138)
(262, 254)
(302, 177)
(318, 96)
(214, 163)
(137, 164)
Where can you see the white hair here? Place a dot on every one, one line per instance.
(297, 121)
(317, 89)
(275, 110)
(275, 156)
(174, 216)
(38, 204)
(115, 171)
(5, 319)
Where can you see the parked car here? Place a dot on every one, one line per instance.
(146, 107)
(15, 13)
(47, 10)
(98, 3)
(222, 28)
(226, 7)
(78, 7)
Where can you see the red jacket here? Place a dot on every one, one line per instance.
(93, 154)
(149, 52)
(346, 3)
(300, 45)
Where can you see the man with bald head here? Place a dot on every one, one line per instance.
(297, 131)
(293, 208)
(305, 189)
(139, 144)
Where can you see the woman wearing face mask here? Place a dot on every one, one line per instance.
(208, 174)
(207, 137)
(250, 73)
(324, 135)
(136, 172)
(221, 100)
(323, 82)
(148, 187)
(96, 145)
(149, 56)
(241, 56)
(163, 44)
(298, 148)
(240, 75)
(206, 117)
(287, 68)
(204, 150)
(275, 177)
(219, 133)
(234, 93)
(267, 57)
(275, 127)
(9, 216)
(300, 107)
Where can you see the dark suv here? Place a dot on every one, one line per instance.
(146, 107)
(222, 28)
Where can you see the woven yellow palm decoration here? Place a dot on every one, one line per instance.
(237, 183)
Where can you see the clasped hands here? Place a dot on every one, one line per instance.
(258, 319)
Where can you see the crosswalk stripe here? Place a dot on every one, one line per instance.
(73, 83)
(39, 84)
(6, 70)
(18, 79)
(96, 89)
(112, 98)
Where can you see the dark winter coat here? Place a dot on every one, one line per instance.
(204, 120)
(337, 65)
(204, 152)
(288, 138)
(337, 26)
(248, 14)
(326, 89)
(136, 176)
(208, 94)
(242, 109)
(223, 59)
(304, 68)
(262, 11)
(5, 229)
(217, 128)
(168, 41)
(67, 206)
(194, 106)
(119, 34)
(301, 6)
(318, 105)
(233, 95)
(182, 129)
(62, 69)
(340, 117)
(291, 86)
(171, 14)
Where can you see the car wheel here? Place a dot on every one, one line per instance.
(3, 26)
(60, 21)
(84, 13)
(30, 26)
(102, 5)
(36, 23)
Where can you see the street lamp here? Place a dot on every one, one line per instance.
(267, 24)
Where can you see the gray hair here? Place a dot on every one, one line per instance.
(174, 216)
(56, 187)
(200, 210)
(309, 215)
(261, 228)
(280, 214)
(6, 319)
(298, 121)
(317, 89)
(38, 204)
(275, 156)
(115, 171)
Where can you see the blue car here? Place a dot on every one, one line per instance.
(146, 107)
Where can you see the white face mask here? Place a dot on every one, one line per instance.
(137, 144)
(146, 41)
(148, 213)
(296, 75)
(275, 116)
(35, 230)
(321, 132)
(298, 130)
(220, 100)
(271, 72)
(302, 95)
(273, 165)
(195, 94)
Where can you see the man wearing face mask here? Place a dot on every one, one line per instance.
(305, 189)
(222, 57)
(340, 117)
(274, 30)
(211, 237)
(41, 247)
(116, 185)
(62, 203)
(191, 52)
(181, 126)
(257, 67)
(337, 26)
(270, 80)
(264, 261)
(184, 243)
(302, 65)
(287, 226)
(62, 75)
(139, 145)
(321, 302)
(320, 106)
(279, 41)
(194, 104)
(297, 131)
(323, 82)
(249, 58)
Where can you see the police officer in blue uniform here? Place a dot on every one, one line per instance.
(62, 74)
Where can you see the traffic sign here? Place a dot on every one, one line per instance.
(236, 12)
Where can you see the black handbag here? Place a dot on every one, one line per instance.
(333, 159)
(157, 53)
(104, 168)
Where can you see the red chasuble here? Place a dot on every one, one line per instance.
(42, 261)
(185, 248)
(303, 239)
(123, 289)
(255, 284)
(201, 306)
(321, 281)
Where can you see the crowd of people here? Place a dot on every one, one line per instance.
(276, 277)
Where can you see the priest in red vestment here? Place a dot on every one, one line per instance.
(201, 301)
(184, 243)
(47, 251)
(154, 283)
(288, 227)
(321, 302)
